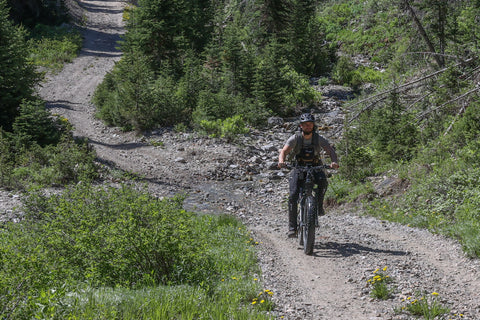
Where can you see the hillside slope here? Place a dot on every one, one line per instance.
(331, 284)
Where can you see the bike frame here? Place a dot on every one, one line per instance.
(308, 215)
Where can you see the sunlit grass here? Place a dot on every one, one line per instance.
(52, 47)
(213, 271)
(427, 306)
(379, 283)
(230, 300)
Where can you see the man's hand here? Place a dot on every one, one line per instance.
(334, 165)
(282, 165)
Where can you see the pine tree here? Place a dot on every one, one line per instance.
(17, 74)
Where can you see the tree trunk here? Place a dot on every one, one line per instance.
(423, 33)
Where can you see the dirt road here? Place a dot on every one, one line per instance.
(330, 284)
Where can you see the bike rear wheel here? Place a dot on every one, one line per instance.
(308, 230)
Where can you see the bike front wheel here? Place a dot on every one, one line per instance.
(308, 230)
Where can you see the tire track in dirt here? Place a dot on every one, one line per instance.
(328, 285)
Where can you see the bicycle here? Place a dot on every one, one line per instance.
(307, 219)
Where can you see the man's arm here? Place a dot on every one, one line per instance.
(283, 154)
(330, 151)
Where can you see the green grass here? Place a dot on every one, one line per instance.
(443, 199)
(427, 306)
(52, 47)
(380, 287)
(119, 253)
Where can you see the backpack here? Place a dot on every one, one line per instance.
(299, 146)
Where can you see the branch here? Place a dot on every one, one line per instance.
(403, 86)
(421, 116)
(423, 33)
(462, 109)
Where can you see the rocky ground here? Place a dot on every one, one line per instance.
(240, 178)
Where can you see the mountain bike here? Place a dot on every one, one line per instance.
(307, 219)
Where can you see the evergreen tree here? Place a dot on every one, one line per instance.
(164, 29)
(17, 74)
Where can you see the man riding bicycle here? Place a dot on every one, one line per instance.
(304, 148)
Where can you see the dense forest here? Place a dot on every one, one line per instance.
(202, 65)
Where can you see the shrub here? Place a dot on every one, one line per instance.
(119, 237)
(227, 128)
(107, 251)
(53, 46)
(132, 97)
(35, 124)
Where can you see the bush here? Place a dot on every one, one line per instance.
(52, 47)
(119, 237)
(35, 124)
(227, 128)
(132, 97)
(72, 249)
(23, 166)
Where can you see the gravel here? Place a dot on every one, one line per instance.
(240, 178)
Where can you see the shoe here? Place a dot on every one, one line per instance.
(292, 234)
(320, 212)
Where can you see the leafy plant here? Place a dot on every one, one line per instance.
(53, 46)
(427, 306)
(108, 252)
(379, 283)
(228, 128)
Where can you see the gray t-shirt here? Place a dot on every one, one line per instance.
(322, 143)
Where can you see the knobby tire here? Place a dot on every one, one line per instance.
(308, 232)
(300, 221)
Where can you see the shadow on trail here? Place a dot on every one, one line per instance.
(334, 249)
(101, 44)
(120, 146)
(61, 104)
(99, 8)
(137, 177)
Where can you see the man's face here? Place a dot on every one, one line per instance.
(307, 127)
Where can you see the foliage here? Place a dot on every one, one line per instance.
(34, 124)
(131, 97)
(214, 52)
(227, 128)
(444, 193)
(373, 28)
(427, 306)
(41, 151)
(357, 161)
(31, 12)
(112, 252)
(379, 283)
(343, 190)
(52, 47)
(17, 74)
(346, 73)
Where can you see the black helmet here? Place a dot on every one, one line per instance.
(307, 117)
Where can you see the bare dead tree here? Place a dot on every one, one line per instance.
(422, 115)
(423, 33)
(401, 88)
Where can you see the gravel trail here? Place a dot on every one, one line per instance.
(235, 178)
